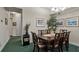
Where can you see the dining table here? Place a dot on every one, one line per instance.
(48, 38)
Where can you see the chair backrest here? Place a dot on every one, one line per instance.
(34, 37)
(42, 41)
(63, 30)
(57, 35)
(56, 38)
(66, 35)
(41, 32)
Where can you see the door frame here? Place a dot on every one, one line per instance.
(18, 10)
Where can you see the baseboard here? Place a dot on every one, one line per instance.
(4, 45)
(15, 36)
(76, 44)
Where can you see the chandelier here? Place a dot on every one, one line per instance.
(57, 9)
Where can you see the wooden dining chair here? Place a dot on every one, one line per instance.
(48, 31)
(42, 44)
(65, 40)
(39, 43)
(63, 30)
(41, 32)
(56, 42)
(62, 36)
(34, 41)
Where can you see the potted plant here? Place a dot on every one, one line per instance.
(26, 35)
(52, 23)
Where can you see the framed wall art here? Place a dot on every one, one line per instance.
(14, 23)
(72, 22)
(40, 22)
(1, 20)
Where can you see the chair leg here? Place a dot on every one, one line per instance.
(61, 48)
(52, 49)
(67, 46)
(34, 48)
(46, 49)
(38, 48)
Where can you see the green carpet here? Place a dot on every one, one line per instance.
(14, 45)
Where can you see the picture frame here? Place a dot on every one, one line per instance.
(60, 22)
(40, 22)
(6, 21)
(72, 22)
(14, 23)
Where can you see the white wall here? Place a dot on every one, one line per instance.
(71, 12)
(30, 14)
(4, 31)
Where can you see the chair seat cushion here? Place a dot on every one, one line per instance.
(54, 45)
(64, 42)
(42, 46)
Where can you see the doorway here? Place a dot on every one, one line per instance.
(15, 23)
